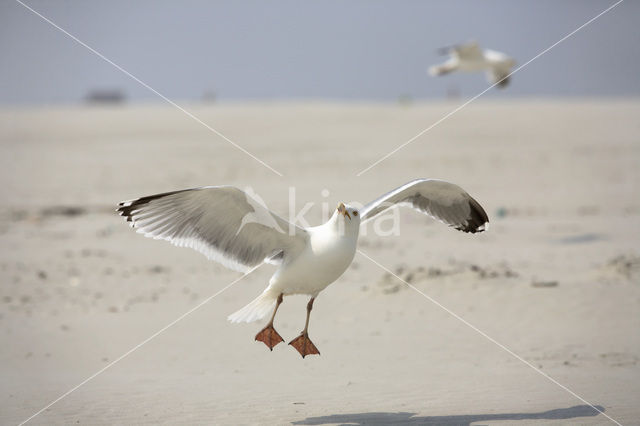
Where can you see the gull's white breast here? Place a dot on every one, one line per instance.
(326, 257)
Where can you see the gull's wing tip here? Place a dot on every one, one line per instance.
(482, 228)
(478, 220)
(470, 228)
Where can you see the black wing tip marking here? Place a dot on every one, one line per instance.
(478, 220)
(127, 208)
(503, 82)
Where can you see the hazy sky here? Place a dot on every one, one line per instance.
(354, 50)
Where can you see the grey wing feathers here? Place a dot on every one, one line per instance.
(441, 200)
(222, 222)
(468, 51)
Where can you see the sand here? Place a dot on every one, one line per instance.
(555, 280)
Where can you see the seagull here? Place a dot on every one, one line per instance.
(470, 57)
(212, 220)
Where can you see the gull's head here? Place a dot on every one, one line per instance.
(350, 214)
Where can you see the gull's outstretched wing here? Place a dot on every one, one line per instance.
(499, 75)
(500, 67)
(222, 222)
(441, 200)
(467, 52)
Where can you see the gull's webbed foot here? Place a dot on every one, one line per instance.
(269, 336)
(304, 345)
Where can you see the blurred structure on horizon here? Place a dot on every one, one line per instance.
(105, 96)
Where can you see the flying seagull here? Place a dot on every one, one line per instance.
(470, 57)
(213, 221)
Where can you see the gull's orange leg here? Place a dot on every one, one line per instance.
(268, 335)
(302, 343)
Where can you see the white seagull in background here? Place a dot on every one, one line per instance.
(470, 57)
(212, 220)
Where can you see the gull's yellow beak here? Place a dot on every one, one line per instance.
(342, 209)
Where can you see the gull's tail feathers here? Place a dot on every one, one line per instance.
(259, 308)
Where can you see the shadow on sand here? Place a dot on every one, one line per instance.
(466, 419)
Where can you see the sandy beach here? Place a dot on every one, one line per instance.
(556, 280)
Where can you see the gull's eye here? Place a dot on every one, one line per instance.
(355, 213)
